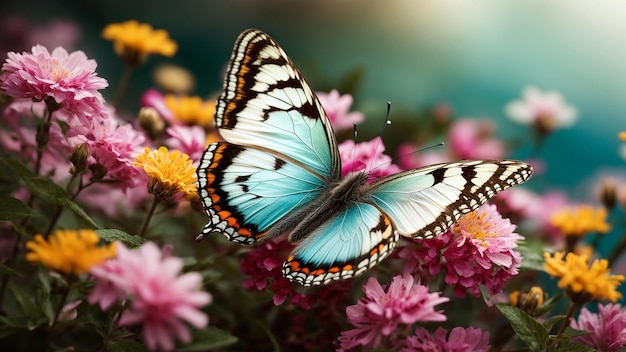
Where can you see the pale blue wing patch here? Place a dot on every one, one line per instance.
(267, 104)
(245, 191)
(345, 246)
(425, 202)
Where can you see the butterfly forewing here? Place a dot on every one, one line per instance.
(267, 104)
(426, 202)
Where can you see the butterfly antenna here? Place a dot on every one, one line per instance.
(407, 154)
(354, 150)
(382, 131)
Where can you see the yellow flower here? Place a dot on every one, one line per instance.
(134, 41)
(579, 279)
(622, 135)
(191, 110)
(168, 172)
(581, 220)
(69, 251)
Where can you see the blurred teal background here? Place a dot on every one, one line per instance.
(476, 56)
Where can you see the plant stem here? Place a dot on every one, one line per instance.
(121, 87)
(570, 313)
(57, 314)
(142, 232)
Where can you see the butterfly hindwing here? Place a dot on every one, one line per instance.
(267, 104)
(427, 201)
(345, 246)
(246, 191)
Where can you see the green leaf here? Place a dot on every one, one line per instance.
(569, 333)
(126, 346)
(46, 189)
(552, 321)
(78, 211)
(12, 208)
(548, 304)
(526, 327)
(9, 271)
(571, 346)
(25, 305)
(208, 338)
(531, 260)
(112, 235)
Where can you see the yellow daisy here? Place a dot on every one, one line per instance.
(168, 172)
(191, 110)
(69, 251)
(581, 280)
(134, 41)
(580, 220)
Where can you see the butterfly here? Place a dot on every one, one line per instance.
(279, 171)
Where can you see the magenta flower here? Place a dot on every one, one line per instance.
(479, 249)
(336, 107)
(190, 140)
(607, 328)
(69, 79)
(162, 300)
(473, 139)
(382, 312)
(544, 110)
(152, 98)
(113, 145)
(460, 340)
(366, 156)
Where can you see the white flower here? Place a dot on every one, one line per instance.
(544, 110)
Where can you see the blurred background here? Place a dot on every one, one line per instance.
(473, 56)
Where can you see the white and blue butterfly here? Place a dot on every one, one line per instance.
(279, 171)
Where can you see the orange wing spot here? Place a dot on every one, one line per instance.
(260, 235)
(244, 232)
(224, 214)
(210, 178)
(374, 251)
(317, 272)
(231, 221)
(305, 271)
(295, 266)
(334, 269)
(214, 198)
(381, 247)
(387, 222)
(347, 267)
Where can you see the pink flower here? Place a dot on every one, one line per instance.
(460, 340)
(544, 110)
(607, 328)
(154, 99)
(162, 299)
(336, 107)
(69, 79)
(479, 249)
(113, 145)
(382, 312)
(190, 140)
(366, 156)
(473, 139)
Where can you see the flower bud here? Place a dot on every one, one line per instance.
(608, 193)
(528, 301)
(78, 158)
(174, 79)
(151, 121)
(98, 171)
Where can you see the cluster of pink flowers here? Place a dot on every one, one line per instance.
(158, 296)
(366, 156)
(460, 340)
(479, 249)
(336, 107)
(66, 86)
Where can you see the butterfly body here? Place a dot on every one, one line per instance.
(279, 171)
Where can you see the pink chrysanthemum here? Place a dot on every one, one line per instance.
(336, 107)
(607, 328)
(162, 299)
(113, 145)
(473, 139)
(366, 156)
(382, 311)
(479, 249)
(68, 78)
(460, 340)
(190, 140)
